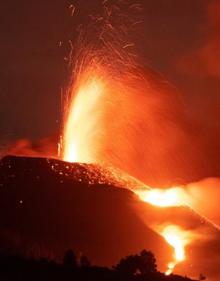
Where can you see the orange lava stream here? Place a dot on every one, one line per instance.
(171, 197)
(176, 237)
(173, 234)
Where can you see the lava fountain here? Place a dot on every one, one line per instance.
(78, 127)
(110, 103)
(86, 122)
(96, 99)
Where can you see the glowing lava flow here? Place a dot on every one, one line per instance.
(176, 237)
(174, 196)
(173, 234)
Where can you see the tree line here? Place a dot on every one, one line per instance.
(138, 267)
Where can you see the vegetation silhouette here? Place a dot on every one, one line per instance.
(145, 263)
(139, 267)
(69, 259)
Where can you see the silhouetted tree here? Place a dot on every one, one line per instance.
(144, 263)
(147, 262)
(128, 265)
(69, 259)
(141, 267)
(84, 262)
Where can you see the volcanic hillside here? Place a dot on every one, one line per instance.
(49, 206)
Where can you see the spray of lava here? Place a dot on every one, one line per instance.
(78, 147)
(81, 144)
(118, 113)
(103, 118)
(88, 119)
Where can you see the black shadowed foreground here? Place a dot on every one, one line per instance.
(140, 267)
(49, 206)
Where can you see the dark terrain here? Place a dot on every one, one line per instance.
(49, 206)
(139, 267)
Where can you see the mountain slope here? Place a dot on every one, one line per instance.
(50, 206)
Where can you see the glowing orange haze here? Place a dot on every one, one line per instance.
(99, 112)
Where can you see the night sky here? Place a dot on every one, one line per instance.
(179, 39)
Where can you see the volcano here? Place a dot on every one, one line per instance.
(49, 206)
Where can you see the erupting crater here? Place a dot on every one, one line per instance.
(97, 124)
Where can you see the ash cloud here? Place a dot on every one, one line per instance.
(204, 61)
(45, 147)
(199, 70)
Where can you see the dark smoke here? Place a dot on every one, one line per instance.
(45, 147)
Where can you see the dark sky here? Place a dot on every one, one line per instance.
(179, 39)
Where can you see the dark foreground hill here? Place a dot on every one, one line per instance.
(48, 206)
(141, 267)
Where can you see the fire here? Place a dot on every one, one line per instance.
(105, 122)
(173, 234)
(174, 196)
(85, 126)
(178, 239)
(79, 126)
